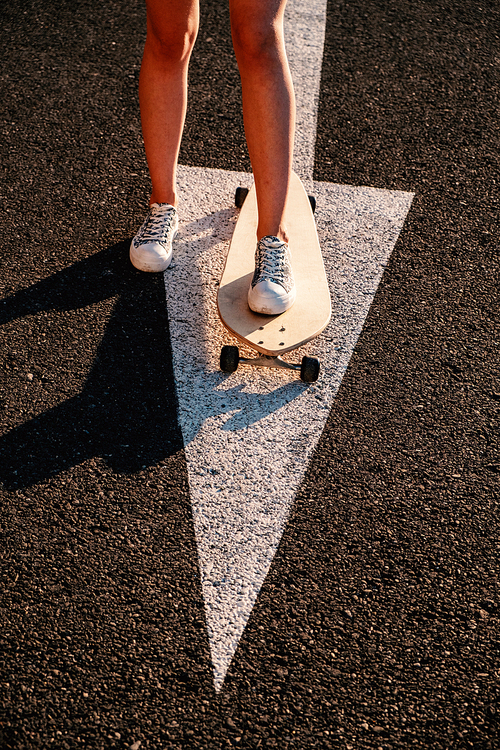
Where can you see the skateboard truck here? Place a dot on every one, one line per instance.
(230, 359)
(242, 192)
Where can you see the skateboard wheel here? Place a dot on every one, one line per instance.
(309, 369)
(239, 196)
(312, 201)
(229, 358)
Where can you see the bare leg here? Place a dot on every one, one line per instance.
(268, 105)
(171, 33)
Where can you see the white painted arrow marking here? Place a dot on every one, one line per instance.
(248, 437)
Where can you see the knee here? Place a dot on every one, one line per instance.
(256, 43)
(172, 44)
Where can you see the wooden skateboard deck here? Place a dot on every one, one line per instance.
(273, 335)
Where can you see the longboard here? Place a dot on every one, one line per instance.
(273, 335)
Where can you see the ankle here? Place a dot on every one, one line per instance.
(163, 197)
(281, 233)
(281, 236)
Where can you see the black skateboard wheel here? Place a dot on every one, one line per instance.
(312, 201)
(229, 358)
(240, 195)
(309, 369)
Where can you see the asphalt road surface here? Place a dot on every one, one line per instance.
(376, 623)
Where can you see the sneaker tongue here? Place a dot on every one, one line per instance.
(161, 205)
(272, 241)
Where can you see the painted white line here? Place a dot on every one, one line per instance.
(305, 24)
(248, 437)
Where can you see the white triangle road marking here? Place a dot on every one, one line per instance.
(248, 437)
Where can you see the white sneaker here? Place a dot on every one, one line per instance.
(272, 290)
(151, 248)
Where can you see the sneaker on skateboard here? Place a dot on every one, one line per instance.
(273, 335)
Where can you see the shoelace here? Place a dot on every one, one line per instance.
(156, 224)
(272, 263)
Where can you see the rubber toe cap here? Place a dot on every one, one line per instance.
(269, 298)
(150, 257)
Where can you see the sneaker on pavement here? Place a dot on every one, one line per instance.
(272, 290)
(151, 248)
